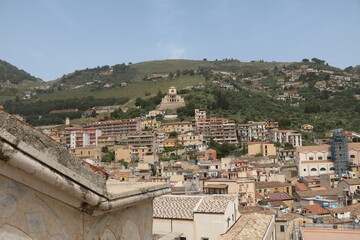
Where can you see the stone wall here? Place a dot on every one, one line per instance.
(28, 214)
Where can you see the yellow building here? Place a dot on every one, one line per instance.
(171, 142)
(265, 149)
(131, 153)
(149, 124)
(190, 140)
(180, 127)
(92, 152)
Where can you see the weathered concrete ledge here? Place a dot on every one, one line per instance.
(26, 153)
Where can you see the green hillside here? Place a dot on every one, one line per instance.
(15, 82)
(294, 93)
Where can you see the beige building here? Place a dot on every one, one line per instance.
(191, 140)
(108, 140)
(116, 127)
(200, 114)
(307, 128)
(244, 188)
(130, 153)
(179, 127)
(352, 184)
(261, 148)
(221, 130)
(149, 124)
(92, 152)
(271, 187)
(314, 160)
(172, 100)
(285, 225)
(45, 193)
(196, 217)
(354, 153)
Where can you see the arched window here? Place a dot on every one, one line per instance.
(322, 169)
(313, 170)
(332, 169)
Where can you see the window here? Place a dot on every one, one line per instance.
(311, 158)
(282, 228)
(320, 158)
(182, 238)
(352, 156)
(203, 238)
(332, 169)
(313, 170)
(328, 158)
(322, 169)
(304, 169)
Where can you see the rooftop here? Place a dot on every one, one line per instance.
(184, 206)
(316, 209)
(278, 196)
(312, 193)
(317, 148)
(249, 227)
(329, 234)
(273, 184)
(352, 181)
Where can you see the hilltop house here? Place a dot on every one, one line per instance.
(172, 100)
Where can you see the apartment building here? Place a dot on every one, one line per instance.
(81, 137)
(220, 129)
(252, 131)
(108, 140)
(142, 139)
(200, 114)
(179, 127)
(149, 124)
(261, 148)
(191, 140)
(131, 153)
(117, 127)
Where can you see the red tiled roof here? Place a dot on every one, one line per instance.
(316, 209)
(278, 196)
(301, 187)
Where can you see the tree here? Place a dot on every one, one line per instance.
(285, 122)
(317, 61)
(348, 69)
(173, 134)
(93, 114)
(305, 60)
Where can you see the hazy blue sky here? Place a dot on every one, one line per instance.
(49, 38)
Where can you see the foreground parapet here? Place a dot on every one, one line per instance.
(45, 193)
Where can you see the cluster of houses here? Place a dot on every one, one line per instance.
(277, 189)
(287, 79)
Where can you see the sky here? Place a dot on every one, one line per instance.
(50, 38)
